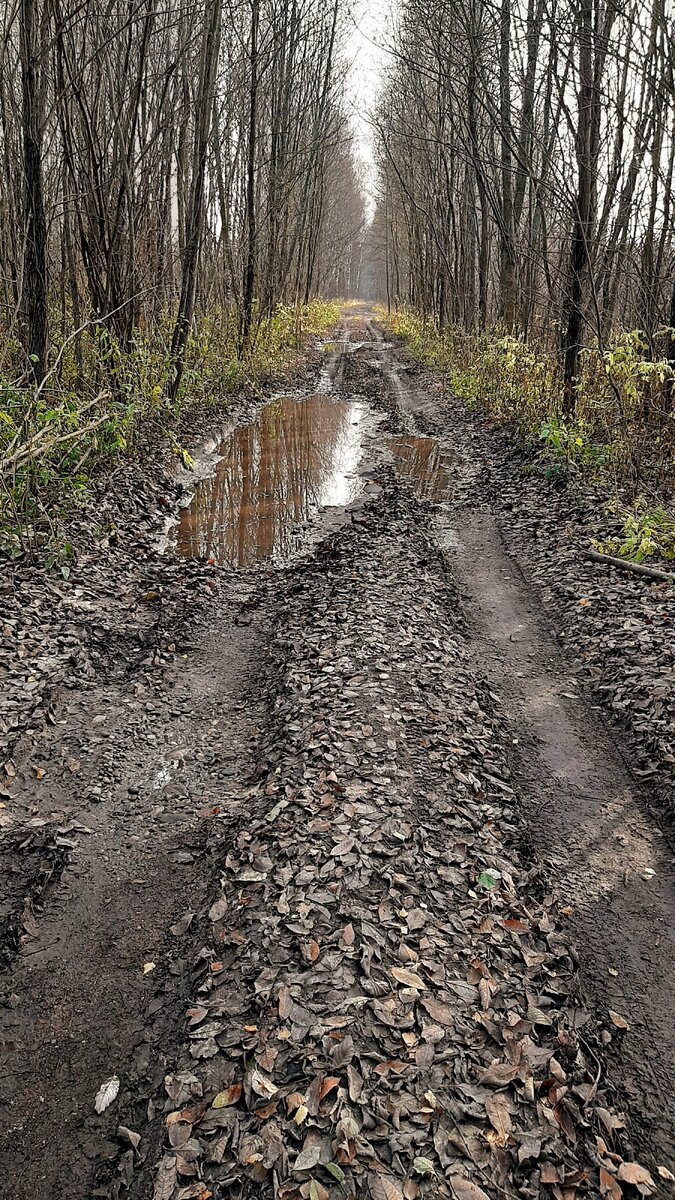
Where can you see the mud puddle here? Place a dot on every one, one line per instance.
(425, 465)
(273, 477)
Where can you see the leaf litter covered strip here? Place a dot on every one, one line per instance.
(386, 1007)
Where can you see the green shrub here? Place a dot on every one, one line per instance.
(622, 435)
(91, 411)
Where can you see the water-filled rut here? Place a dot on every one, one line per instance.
(274, 477)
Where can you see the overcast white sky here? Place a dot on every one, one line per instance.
(371, 22)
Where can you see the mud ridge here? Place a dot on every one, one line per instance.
(358, 1017)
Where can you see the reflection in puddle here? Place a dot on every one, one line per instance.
(273, 475)
(422, 463)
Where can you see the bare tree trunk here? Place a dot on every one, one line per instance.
(34, 288)
(507, 252)
(195, 217)
(584, 208)
(249, 270)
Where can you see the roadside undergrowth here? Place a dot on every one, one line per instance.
(621, 438)
(100, 402)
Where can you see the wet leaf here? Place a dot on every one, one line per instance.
(218, 909)
(166, 1179)
(230, 1095)
(107, 1093)
(618, 1020)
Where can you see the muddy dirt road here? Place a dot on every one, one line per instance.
(346, 889)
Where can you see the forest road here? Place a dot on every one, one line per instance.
(368, 712)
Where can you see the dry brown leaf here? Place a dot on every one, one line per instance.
(408, 978)
(416, 919)
(393, 1065)
(165, 1180)
(564, 1119)
(355, 1082)
(499, 1116)
(632, 1172)
(261, 1085)
(285, 1002)
(618, 1020)
(609, 1186)
(424, 1056)
(267, 1111)
(438, 1011)
(384, 1187)
(330, 1082)
(498, 1074)
(228, 1096)
(549, 1173)
(464, 1188)
(218, 909)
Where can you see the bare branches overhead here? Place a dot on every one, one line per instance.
(526, 154)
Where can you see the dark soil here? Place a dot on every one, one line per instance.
(363, 821)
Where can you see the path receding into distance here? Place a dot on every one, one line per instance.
(368, 829)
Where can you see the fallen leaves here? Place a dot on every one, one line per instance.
(639, 1177)
(375, 1007)
(464, 1188)
(230, 1095)
(498, 1111)
(107, 1093)
(383, 1187)
(408, 978)
(618, 1020)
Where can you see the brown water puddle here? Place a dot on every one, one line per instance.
(273, 476)
(422, 463)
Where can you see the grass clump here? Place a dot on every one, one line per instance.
(98, 401)
(622, 434)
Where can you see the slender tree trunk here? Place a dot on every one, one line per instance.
(584, 210)
(507, 256)
(195, 217)
(251, 229)
(34, 288)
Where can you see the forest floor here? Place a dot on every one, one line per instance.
(374, 787)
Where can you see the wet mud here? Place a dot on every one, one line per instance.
(331, 865)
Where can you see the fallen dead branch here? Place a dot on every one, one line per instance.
(626, 565)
